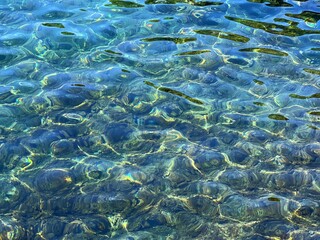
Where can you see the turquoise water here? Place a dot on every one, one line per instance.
(159, 119)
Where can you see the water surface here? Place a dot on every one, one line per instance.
(159, 119)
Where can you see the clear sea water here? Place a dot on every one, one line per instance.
(159, 119)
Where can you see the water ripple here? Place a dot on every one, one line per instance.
(159, 119)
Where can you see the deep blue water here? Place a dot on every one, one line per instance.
(159, 119)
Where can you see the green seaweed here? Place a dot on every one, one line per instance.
(307, 16)
(191, 2)
(176, 40)
(126, 4)
(293, 95)
(163, 2)
(274, 199)
(259, 103)
(67, 33)
(174, 92)
(314, 113)
(154, 20)
(273, 3)
(265, 50)
(315, 95)
(193, 52)
(258, 81)
(312, 71)
(205, 3)
(78, 85)
(112, 52)
(292, 30)
(56, 25)
(225, 35)
(278, 117)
